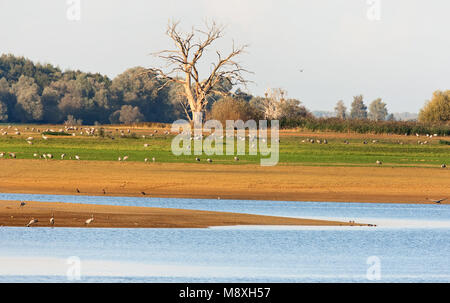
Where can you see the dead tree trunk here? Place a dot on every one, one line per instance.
(183, 66)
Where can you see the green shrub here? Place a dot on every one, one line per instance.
(363, 126)
(49, 133)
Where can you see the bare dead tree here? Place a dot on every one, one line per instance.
(184, 61)
(272, 103)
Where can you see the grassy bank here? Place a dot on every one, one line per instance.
(295, 148)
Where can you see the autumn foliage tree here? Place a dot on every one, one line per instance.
(358, 109)
(437, 109)
(29, 106)
(5, 96)
(340, 110)
(378, 110)
(229, 108)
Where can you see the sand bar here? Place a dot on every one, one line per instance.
(213, 181)
(106, 216)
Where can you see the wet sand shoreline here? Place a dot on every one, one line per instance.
(107, 216)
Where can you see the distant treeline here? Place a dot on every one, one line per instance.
(367, 126)
(36, 93)
(42, 93)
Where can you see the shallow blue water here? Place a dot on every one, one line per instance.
(344, 211)
(411, 243)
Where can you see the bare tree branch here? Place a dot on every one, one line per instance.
(185, 60)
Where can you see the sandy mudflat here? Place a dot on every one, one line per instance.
(75, 215)
(198, 180)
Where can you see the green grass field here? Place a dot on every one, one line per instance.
(292, 150)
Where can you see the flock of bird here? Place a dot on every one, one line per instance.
(90, 131)
(378, 162)
(104, 190)
(88, 221)
(34, 221)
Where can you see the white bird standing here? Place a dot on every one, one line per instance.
(33, 221)
(52, 220)
(77, 157)
(89, 221)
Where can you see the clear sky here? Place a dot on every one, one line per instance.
(399, 50)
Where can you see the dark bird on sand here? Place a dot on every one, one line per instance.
(438, 201)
